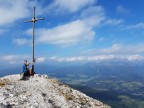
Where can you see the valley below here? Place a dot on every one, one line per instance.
(120, 86)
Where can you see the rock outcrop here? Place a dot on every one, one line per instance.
(39, 91)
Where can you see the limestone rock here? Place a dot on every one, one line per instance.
(40, 91)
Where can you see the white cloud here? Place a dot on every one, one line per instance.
(122, 10)
(93, 16)
(40, 59)
(119, 49)
(135, 58)
(22, 41)
(98, 58)
(113, 49)
(10, 57)
(69, 6)
(134, 26)
(19, 59)
(14, 59)
(67, 34)
(12, 10)
(102, 39)
(114, 21)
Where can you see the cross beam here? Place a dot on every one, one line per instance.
(34, 19)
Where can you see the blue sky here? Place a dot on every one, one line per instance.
(73, 30)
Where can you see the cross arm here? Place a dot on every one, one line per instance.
(34, 20)
(37, 19)
(28, 21)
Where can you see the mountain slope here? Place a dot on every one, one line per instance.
(42, 92)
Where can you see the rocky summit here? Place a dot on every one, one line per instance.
(40, 91)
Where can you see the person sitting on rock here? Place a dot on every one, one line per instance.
(25, 67)
(25, 70)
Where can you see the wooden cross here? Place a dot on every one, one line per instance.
(34, 19)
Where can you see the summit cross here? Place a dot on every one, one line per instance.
(34, 19)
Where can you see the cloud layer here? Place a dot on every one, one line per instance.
(117, 52)
(99, 58)
(16, 59)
